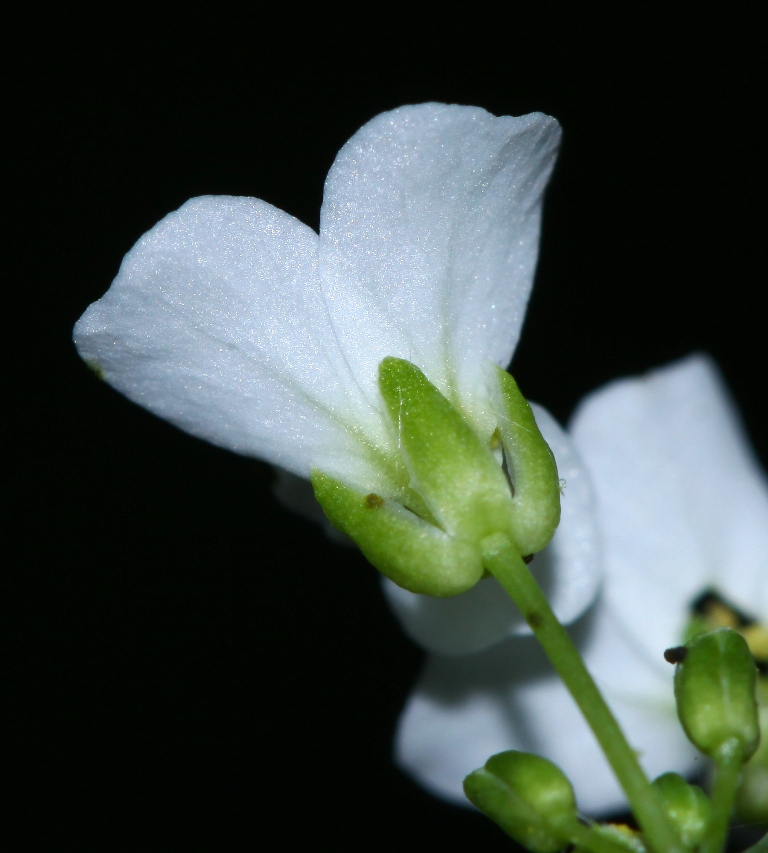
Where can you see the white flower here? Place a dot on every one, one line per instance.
(242, 326)
(683, 511)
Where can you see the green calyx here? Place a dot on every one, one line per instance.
(427, 538)
(529, 797)
(456, 475)
(407, 549)
(715, 682)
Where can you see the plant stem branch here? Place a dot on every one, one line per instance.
(504, 562)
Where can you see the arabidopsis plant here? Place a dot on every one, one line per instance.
(366, 357)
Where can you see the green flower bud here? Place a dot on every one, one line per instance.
(529, 797)
(687, 806)
(715, 692)
(532, 468)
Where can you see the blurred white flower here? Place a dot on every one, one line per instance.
(683, 511)
(242, 326)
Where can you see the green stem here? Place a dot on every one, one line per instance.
(506, 565)
(728, 764)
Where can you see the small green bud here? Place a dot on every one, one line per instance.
(715, 692)
(458, 477)
(687, 806)
(529, 797)
(532, 468)
(407, 549)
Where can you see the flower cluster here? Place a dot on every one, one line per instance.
(367, 358)
(683, 517)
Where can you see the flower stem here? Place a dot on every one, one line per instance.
(506, 565)
(728, 764)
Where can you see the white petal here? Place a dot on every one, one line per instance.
(466, 709)
(568, 569)
(429, 237)
(682, 503)
(217, 323)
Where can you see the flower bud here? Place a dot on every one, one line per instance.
(529, 797)
(715, 692)
(686, 805)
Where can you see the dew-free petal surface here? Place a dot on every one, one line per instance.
(682, 503)
(568, 570)
(428, 241)
(217, 323)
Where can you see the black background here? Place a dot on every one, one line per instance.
(195, 666)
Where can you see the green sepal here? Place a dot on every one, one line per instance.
(532, 468)
(410, 551)
(529, 797)
(687, 806)
(450, 467)
(715, 692)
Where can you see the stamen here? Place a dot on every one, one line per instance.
(718, 609)
(717, 612)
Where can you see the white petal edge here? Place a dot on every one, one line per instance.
(463, 710)
(217, 323)
(429, 238)
(568, 569)
(683, 505)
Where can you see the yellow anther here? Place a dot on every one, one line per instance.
(757, 640)
(719, 615)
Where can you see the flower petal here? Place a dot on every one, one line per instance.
(568, 569)
(682, 502)
(428, 241)
(464, 710)
(217, 323)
